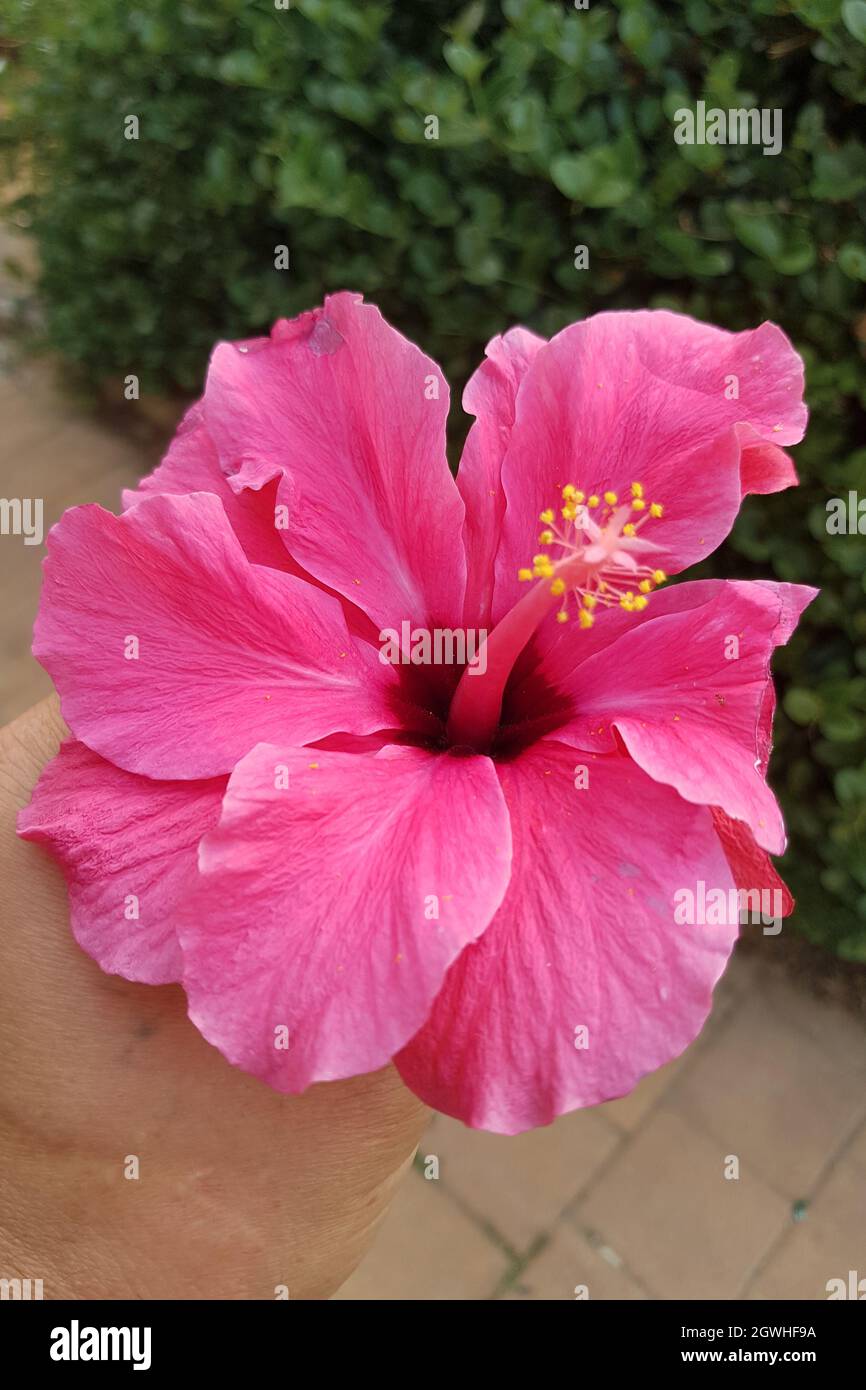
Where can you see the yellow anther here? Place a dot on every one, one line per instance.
(543, 571)
(629, 529)
(640, 603)
(610, 498)
(540, 560)
(569, 513)
(638, 504)
(546, 538)
(627, 602)
(645, 586)
(637, 489)
(592, 501)
(558, 586)
(656, 509)
(569, 493)
(562, 616)
(547, 515)
(585, 619)
(523, 575)
(589, 600)
(659, 576)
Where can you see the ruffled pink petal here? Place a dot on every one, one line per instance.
(351, 418)
(490, 396)
(585, 939)
(192, 465)
(329, 909)
(755, 376)
(685, 688)
(229, 653)
(751, 867)
(764, 467)
(655, 398)
(128, 846)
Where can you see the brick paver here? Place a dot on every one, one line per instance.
(570, 1267)
(781, 1098)
(667, 1209)
(829, 1243)
(428, 1249)
(519, 1186)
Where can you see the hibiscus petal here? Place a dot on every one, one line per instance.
(755, 377)
(655, 398)
(763, 467)
(586, 938)
(490, 396)
(192, 465)
(685, 688)
(751, 867)
(229, 653)
(351, 417)
(332, 906)
(128, 846)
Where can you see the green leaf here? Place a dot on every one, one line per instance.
(803, 706)
(596, 178)
(243, 67)
(466, 61)
(852, 256)
(839, 174)
(854, 18)
(760, 232)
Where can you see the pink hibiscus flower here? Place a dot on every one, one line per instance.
(469, 869)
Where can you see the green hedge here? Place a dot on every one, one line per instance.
(306, 126)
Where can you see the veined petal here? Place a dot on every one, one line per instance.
(490, 396)
(333, 895)
(173, 655)
(684, 685)
(584, 981)
(350, 417)
(127, 846)
(191, 464)
(752, 868)
(255, 515)
(654, 398)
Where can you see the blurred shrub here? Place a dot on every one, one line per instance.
(305, 126)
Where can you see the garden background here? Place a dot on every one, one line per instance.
(305, 125)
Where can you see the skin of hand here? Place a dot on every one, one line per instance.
(241, 1192)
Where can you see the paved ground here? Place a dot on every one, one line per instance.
(629, 1200)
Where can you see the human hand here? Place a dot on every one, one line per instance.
(240, 1192)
